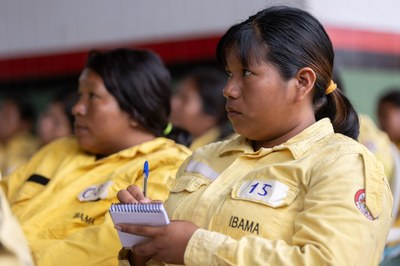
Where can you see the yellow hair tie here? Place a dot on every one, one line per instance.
(168, 129)
(332, 86)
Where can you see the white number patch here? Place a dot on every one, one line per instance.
(271, 192)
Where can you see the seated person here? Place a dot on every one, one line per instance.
(389, 114)
(198, 106)
(62, 195)
(56, 120)
(17, 141)
(389, 120)
(295, 187)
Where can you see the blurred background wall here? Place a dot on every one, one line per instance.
(44, 43)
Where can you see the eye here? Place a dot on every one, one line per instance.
(229, 74)
(246, 72)
(92, 95)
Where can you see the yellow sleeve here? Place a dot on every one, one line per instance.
(12, 183)
(330, 230)
(86, 246)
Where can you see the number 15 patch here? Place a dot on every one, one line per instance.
(270, 192)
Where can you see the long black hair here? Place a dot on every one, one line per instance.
(291, 38)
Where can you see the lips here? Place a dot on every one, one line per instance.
(80, 128)
(232, 111)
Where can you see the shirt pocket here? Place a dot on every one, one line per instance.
(188, 183)
(184, 193)
(259, 207)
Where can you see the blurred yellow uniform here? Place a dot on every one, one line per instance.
(319, 199)
(13, 246)
(210, 136)
(16, 152)
(378, 143)
(62, 196)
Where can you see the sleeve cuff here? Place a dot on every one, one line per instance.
(202, 247)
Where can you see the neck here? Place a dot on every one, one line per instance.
(282, 138)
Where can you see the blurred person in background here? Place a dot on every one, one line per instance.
(198, 106)
(17, 141)
(14, 249)
(388, 110)
(57, 120)
(62, 195)
(389, 114)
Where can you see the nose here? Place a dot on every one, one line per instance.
(79, 107)
(231, 89)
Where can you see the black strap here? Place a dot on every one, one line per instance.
(38, 179)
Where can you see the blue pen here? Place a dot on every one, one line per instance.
(145, 176)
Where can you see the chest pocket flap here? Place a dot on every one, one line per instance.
(269, 192)
(187, 183)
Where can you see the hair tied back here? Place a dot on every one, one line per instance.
(332, 86)
(167, 129)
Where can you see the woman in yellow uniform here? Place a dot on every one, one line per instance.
(295, 188)
(62, 195)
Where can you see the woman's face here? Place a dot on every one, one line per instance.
(101, 127)
(389, 120)
(187, 109)
(54, 123)
(10, 120)
(260, 104)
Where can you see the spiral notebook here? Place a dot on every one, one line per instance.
(152, 214)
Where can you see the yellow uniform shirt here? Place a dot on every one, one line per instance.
(318, 199)
(17, 151)
(62, 196)
(378, 143)
(210, 136)
(13, 246)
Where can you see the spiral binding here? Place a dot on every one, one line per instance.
(137, 207)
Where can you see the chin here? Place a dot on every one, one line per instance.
(86, 146)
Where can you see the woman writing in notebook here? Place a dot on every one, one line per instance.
(295, 188)
(62, 195)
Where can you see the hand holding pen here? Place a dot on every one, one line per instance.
(135, 194)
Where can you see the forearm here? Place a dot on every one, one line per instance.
(211, 248)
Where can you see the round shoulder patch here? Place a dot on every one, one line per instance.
(359, 200)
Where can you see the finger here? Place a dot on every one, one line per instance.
(137, 193)
(125, 197)
(147, 249)
(141, 230)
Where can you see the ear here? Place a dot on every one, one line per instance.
(305, 80)
(133, 123)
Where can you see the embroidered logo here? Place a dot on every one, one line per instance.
(359, 200)
(95, 192)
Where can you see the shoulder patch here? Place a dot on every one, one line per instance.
(359, 200)
(95, 192)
